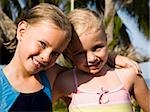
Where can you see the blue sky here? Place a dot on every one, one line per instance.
(138, 40)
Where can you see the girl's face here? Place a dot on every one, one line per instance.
(39, 45)
(92, 56)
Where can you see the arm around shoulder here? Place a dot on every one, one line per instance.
(136, 84)
(142, 93)
(53, 72)
(63, 85)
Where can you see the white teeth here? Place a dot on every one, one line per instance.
(36, 62)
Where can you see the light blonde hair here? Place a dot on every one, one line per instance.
(85, 20)
(50, 13)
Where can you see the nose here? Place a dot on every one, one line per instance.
(46, 55)
(91, 57)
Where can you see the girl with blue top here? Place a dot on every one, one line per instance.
(42, 34)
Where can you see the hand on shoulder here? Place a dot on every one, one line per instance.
(128, 76)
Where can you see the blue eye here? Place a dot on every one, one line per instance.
(43, 45)
(98, 47)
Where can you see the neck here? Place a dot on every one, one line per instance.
(103, 70)
(15, 69)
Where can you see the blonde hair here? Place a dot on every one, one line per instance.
(85, 20)
(51, 13)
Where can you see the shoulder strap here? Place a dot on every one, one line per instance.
(116, 71)
(45, 82)
(75, 80)
(122, 82)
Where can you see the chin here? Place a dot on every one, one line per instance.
(94, 71)
(32, 69)
(91, 71)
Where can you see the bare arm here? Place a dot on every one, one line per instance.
(137, 87)
(63, 85)
(122, 61)
(142, 93)
(53, 72)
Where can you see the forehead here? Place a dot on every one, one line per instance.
(93, 38)
(48, 33)
(87, 41)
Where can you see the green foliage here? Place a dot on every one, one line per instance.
(117, 26)
(116, 31)
(135, 105)
(140, 9)
(121, 41)
(107, 21)
(64, 61)
(4, 3)
(137, 8)
(60, 106)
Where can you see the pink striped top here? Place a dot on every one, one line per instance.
(116, 100)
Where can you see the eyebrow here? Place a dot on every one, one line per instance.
(100, 42)
(47, 44)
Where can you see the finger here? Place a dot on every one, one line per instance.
(134, 66)
(138, 67)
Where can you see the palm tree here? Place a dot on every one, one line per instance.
(118, 38)
(114, 26)
(7, 37)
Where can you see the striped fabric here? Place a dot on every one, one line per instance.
(102, 108)
(116, 100)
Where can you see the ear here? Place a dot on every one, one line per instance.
(22, 27)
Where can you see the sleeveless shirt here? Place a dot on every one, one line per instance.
(12, 100)
(116, 100)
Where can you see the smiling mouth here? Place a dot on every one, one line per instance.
(39, 63)
(36, 63)
(94, 66)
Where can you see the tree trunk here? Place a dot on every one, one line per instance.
(7, 36)
(109, 19)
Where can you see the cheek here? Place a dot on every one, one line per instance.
(30, 51)
(103, 54)
(51, 63)
(80, 60)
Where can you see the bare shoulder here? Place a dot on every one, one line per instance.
(53, 72)
(128, 76)
(64, 76)
(127, 72)
(64, 82)
(62, 85)
(136, 83)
